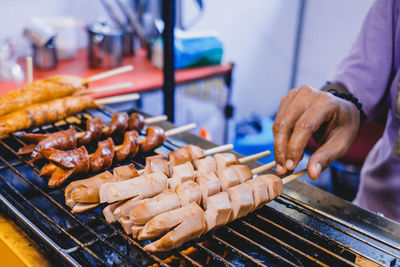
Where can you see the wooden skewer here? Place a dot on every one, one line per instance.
(146, 121)
(293, 176)
(156, 119)
(118, 98)
(29, 70)
(263, 167)
(107, 74)
(104, 89)
(254, 157)
(218, 149)
(180, 129)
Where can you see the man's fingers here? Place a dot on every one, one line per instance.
(335, 147)
(281, 132)
(304, 128)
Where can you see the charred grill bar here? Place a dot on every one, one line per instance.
(305, 226)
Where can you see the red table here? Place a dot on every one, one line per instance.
(145, 76)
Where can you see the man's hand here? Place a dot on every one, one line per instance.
(305, 112)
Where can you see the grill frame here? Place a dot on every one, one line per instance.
(228, 245)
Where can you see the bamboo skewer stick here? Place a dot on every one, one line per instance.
(147, 121)
(180, 129)
(263, 167)
(107, 74)
(253, 157)
(227, 147)
(105, 89)
(156, 119)
(116, 99)
(293, 176)
(29, 70)
(218, 149)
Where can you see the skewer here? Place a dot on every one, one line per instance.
(260, 155)
(29, 70)
(146, 121)
(218, 149)
(104, 89)
(107, 74)
(171, 132)
(293, 176)
(180, 129)
(263, 167)
(116, 99)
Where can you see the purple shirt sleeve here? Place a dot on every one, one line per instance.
(366, 71)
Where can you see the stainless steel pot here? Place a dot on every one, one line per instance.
(45, 57)
(105, 46)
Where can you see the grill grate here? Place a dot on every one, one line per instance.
(284, 232)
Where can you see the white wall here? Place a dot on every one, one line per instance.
(15, 14)
(330, 28)
(258, 37)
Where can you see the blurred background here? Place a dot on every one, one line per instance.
(265, 47)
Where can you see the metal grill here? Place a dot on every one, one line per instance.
(284, 232)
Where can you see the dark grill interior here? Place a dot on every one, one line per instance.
(284, 232)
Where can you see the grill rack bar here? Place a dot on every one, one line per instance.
(48, 240)
(41, 213)
(61, 207)
(348, 225)
(302, 238)
(170, 144)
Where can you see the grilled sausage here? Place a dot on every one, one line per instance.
(44, 113)
(125, 172)
(163, 202)
(130, 146)
(118, 124)
(94, 128)
(87, 190)
(179, 156)
(227, 178)
(224, 160)
(136, 122)
(155, 137)
(102, 158)
(156, 163)
(209, 185)
(40, 91)
(187, 222)
(62, 140)
(205, 166)
(188, 192)
(146, 186)
(219, 209)
(195, 152)
(241, 197)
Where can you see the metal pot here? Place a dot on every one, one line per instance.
(105, 46)
(45, 57)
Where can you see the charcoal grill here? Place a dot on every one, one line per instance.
(305, 226)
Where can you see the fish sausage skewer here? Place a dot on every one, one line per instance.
(129, 173)
(48, 89)
(236, 205)
(189, 191)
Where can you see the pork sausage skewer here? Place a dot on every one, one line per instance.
(95, 129)
(65, 161)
